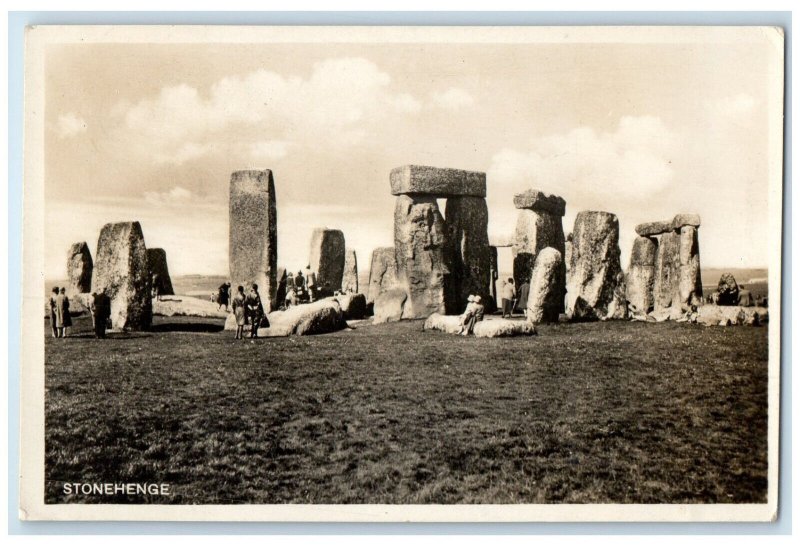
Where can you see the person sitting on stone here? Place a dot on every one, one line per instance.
(745, 297)
(291, 297)
(478, 311)
(468, 313)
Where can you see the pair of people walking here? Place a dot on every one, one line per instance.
(248, 310)
(60, 319)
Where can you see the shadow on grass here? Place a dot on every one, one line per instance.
(202, 328)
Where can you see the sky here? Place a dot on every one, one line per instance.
(152, 132)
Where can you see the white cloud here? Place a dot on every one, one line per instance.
(175, 196)
(335, 105)
(452, 99)
(70, 125)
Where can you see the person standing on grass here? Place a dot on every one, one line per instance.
(522, 298)
(101, 310)
(63, 320)
(311, 283)
(238, 306)
(223, 295)
(300, 285)
(52, 304)
(508, 296)
(255, 311)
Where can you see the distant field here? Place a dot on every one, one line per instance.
(613, 412)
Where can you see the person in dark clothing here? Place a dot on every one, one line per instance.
(101, 310)
(254, 310)
(52, 304)
(522, 298)
(224, 295)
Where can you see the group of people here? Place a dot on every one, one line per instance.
(511, 299)
(248, 310)
(60, 319)
(300, 289)
(472, 314)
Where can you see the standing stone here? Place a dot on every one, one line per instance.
(121, 271)
(667, 275)
(327, 259)
(545, 299)
(253, 242)
(690, 285)
(350, 277)
(419, 239)
(79, 269)
(596, 284)
(280, 290)
(538, 226)
(382, 273)
(641, 274)
(493, 265)
(727, 290)
(568, 251)
(467, 252)
(157, 265)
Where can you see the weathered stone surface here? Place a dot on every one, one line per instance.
(541, 202)
(419, 240)
(79, 269)
(327, 258)
(535, 231)
(121, 271)
(382, 272)
(690, 285)
(568, 251)
(253, 239)
(668, 268)
(389, 305)
(319, 317)
(641, 275)
(354, 306)
(467, 251)
(546, 297)
(491, 305)
(651, 229)
(596, 284)
(280, 290)
(490, 327)
(350, 275)
(681, 220)
(157, 264)
(713, 315)
(418, 179)
(727, 290)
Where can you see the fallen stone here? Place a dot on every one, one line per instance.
(79, 269)
(596, 283)
(389, 306)
(253, 233)
(327, 258)
(490, 327)
(641, 274)
(186, 306)
(350, 276)
(735, 315)
(467, 251)
(539, 201)
(157, 264)
(121, 271)
(419, 240)
(546, 298)
(319, 317)
(354, 306)
(382, 273)
(418, 179)
(651, 229)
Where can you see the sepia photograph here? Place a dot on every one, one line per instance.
(402, 273)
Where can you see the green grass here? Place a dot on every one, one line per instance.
(585, 413)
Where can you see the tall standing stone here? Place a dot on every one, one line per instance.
(253, 239)
(545, 299)
(467, 251)
(690, 285)
(538, 226)
(641, 274)
(280, 289)
(350, 277)
(668, 270)
(382, 273)
(327, 258)
(79, 269)
(596, 284)
(122, 272)
(157, 265)
(419, 240)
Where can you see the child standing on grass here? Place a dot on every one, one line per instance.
(238, 307)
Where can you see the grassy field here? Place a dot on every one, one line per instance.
(584, 413)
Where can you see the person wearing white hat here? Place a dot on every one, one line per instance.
(476, 316)
(467, 315)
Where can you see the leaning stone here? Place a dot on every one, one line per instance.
(651, 229)
(535, 231)
(421, 180)
(253, 237)
(389, 305)
(79, 269)
(382, 273)
(727, 290)
(350, 276)
(467, 251)
(596, 284)
(546, 299)
(327, 258)
(681, 220)
(419, 241)
(540, 201)
(666, 287)
(121, 271)
(157, 264)
(641, 274)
